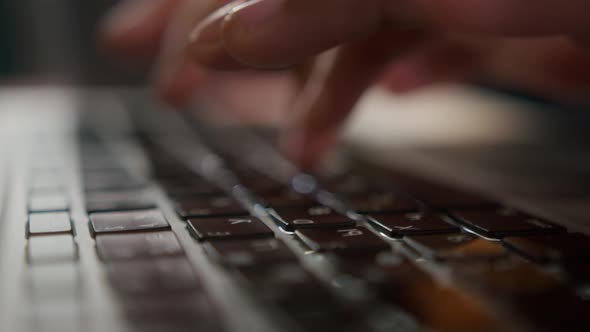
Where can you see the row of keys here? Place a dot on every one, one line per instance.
(247, 245)
(491, 223)
(144, 261)
(431, 222)
(398, 215)
(49, 229)
(313, 217)
(439, 237)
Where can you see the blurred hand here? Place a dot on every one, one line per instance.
(406, 44)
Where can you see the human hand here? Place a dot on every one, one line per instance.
(407, 43)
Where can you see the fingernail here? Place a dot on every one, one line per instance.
(207, 32)
(256, 11)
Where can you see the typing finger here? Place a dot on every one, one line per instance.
(333, 90)
(281, 33)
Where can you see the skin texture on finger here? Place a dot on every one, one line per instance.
(279, 33)
(207, 35)
(134, 29)
(331, 94)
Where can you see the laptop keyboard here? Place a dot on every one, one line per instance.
(344, 252)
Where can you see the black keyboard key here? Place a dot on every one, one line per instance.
(456, 247)
(376, 202)
(251, 253)
(396, 225)
(153, 276)
(109, 201)
(497, 223)
(313, 217)
(229, 228)
(205, 207)
(47, 202)
(115, 222)
(113, 247)
(51, 249)
(356, 239)
(551, 248)
(49, 223)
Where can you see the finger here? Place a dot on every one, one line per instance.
(208, 31)
(176, 76)
(331, 94)
(134, 28)
(280, 33)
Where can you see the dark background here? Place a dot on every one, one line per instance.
(56, 41)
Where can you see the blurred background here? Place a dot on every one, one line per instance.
(55, 41)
